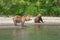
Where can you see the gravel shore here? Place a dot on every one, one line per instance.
(47, 21)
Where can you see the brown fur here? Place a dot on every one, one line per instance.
(20, 19)
(38, 18)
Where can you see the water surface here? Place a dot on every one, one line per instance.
(35, 32)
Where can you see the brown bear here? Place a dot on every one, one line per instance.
(20, 19)
(38, 18)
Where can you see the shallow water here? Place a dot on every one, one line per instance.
(35, 32)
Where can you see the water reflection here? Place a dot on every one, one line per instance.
(37, 29)
(31, 33)
(14, 34)
(26, 33)
(20, 34)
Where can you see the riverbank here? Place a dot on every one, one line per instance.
(47, 21)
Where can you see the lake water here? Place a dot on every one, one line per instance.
(34, 32)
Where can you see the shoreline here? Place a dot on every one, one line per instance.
(47, 20)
